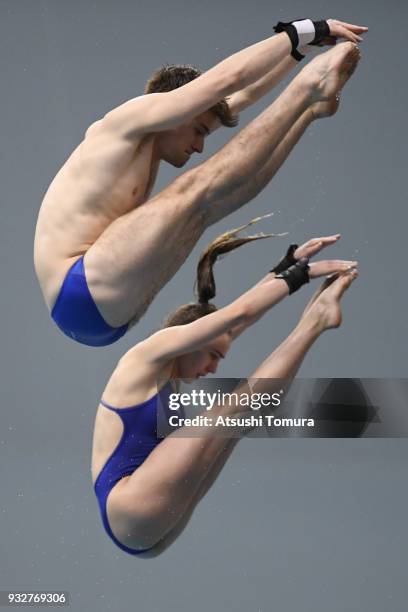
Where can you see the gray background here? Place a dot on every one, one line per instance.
(314, 525)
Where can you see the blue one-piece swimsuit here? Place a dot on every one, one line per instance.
(76, 314)
(139, 439)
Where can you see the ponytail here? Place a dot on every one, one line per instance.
(205, 283)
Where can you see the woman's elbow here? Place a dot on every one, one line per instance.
(242, 314)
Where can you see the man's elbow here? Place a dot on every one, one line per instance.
(229, 81)
(241, 77)
(239, 102)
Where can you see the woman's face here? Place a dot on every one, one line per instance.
(204, 361)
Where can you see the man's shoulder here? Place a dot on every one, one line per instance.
(130, 113)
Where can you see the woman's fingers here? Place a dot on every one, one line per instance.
(330, 266)
(314, 245)
(327, 240)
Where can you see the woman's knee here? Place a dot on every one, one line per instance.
(141, 524)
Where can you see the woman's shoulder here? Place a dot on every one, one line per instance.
(136, 377)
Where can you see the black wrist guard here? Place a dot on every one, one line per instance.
(296, 275)
(291, 31)
(286, 261)
(321, 31)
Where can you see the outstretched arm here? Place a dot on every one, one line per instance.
(244, 98)
(161, 111)
(248, 96)
(316, 270)
(234, 318)
(170, 342)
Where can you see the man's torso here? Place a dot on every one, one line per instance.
(105, 177)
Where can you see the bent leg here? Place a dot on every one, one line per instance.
(207, 482)
(247, 191)
(141, 251)
(252, 187)
(264, 143)
(165, 487)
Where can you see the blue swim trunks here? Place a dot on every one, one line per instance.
(76, 314)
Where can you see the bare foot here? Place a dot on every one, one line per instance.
(324, 308)
(327, 108)
(328, 73)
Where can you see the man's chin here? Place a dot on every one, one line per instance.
(178, 163)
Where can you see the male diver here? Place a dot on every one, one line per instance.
(103, 249)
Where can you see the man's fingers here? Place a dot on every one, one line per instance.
(348, 31)
(348, 35)
(355, 28)
(350, 26)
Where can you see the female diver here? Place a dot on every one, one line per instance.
(147, 488)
